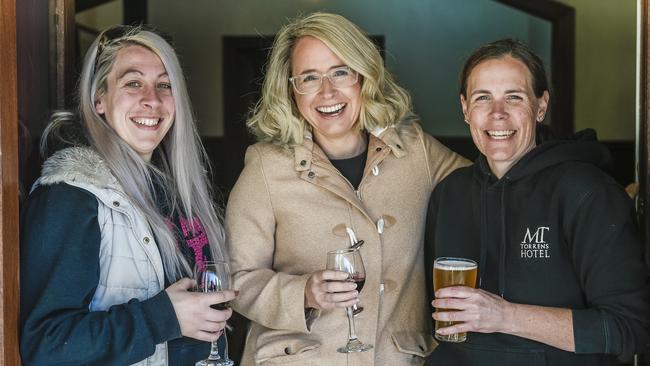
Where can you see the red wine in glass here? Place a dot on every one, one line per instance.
(360, 281)
(221, 306)
(214, 286)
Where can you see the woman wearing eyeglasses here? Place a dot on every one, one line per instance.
(115, 223)
(340, 160)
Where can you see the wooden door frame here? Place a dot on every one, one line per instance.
(62, 53)
(9, 257)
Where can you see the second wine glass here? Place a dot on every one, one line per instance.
(212, 277)
(349, 261)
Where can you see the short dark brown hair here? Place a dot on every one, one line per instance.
(502, 48)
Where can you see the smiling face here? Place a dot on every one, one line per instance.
(332, 112)
(502, 111)
(138, 103)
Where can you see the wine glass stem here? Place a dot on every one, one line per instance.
(225, 350)
(352, 332)
(214, 351)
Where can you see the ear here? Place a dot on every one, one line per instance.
(99, 107)
(463, 103)
(542, 106)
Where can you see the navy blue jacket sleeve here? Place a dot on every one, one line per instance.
(608, 259)
(59, 269)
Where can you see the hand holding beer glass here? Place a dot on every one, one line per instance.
(447, 272)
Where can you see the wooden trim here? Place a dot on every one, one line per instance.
(9, 257)
(62, 53)
(562, 18)
(547, 9)
(563, 72)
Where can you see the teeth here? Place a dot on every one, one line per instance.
(331, 109)
(503, 134)
(146, 121)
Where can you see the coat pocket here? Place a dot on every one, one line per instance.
(279, 347)
(414, 343)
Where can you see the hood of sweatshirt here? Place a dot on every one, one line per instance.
(582, 146)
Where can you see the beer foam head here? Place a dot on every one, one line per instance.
(454, 264)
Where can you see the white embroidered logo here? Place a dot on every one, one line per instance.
(534, 245)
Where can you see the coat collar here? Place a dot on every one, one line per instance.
(388, 137)
(81, 164)
(380, 139)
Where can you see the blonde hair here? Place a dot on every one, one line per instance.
(276, 118)
(182, 164)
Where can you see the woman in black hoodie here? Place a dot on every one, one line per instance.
(561, 275)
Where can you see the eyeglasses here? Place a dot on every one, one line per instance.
(312, 82)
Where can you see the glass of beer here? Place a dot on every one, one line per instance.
(447, 272)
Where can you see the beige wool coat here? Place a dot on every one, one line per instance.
(289, 208)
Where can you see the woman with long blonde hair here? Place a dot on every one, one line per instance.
(340, 159)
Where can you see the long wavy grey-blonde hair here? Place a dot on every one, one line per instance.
(276, 118)
(181, 164)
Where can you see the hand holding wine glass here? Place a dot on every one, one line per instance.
(350, 262)
(328, 289)
(193, 312)
(214, 277)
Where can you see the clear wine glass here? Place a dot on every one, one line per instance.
(349, 261)
(213, 276)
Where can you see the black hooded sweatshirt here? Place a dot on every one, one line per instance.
(554, 231)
